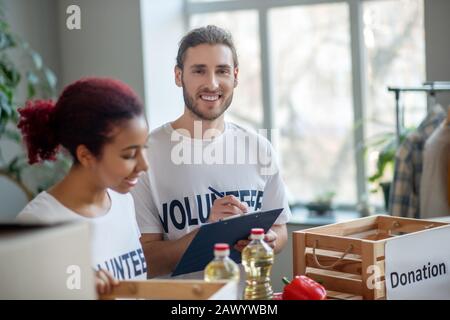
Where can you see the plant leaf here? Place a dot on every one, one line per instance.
(32, 81)
(4, 105)
(51, 79)
(3, 122)
(10, 73)
(6, 37)
(37, 59)
(8, 92)
(13, 135)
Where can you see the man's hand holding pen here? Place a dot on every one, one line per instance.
(226, 207)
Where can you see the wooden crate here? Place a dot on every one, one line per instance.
(174, 290)
(339, 255)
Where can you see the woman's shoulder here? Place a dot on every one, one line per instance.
(44, 208)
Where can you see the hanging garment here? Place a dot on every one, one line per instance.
(404, 195)
(434, 181)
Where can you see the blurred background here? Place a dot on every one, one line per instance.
(314, 71)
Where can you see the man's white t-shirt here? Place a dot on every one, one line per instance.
(172, 198)
(114, 236)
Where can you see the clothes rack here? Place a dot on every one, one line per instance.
(430, 87)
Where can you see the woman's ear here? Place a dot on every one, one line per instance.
(84, 156)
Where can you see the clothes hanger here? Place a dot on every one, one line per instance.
(447, 121)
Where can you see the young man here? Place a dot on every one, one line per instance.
(200, 150)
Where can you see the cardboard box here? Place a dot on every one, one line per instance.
(46, 262)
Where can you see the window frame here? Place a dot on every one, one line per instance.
(358, 73)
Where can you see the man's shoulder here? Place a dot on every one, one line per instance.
(260, 135)
(235, 128)
(160, 132)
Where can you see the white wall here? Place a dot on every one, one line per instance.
(437, 25)
(36, 22)
(111, 43)
(108, 44)
(162, 29)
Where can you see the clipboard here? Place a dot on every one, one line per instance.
(201, 249)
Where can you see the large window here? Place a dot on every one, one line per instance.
(325, 68)
(395, 55)
(313, 102)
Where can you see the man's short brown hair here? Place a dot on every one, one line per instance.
(205, 35)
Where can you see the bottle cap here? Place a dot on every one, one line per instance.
(257, 233)
(221, 246)
(221, 249)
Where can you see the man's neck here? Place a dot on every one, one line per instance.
(198, 128)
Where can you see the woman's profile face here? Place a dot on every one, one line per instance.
(124, 158)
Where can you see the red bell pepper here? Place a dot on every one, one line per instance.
(303, 288)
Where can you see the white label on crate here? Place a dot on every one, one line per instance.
(418, 265)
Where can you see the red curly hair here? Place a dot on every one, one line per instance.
(85, 113)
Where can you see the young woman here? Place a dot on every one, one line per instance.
(101, 123)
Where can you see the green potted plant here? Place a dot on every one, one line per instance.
(322, 203)
(39, 82)
(385, 145)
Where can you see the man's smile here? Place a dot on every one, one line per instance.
(210, 97)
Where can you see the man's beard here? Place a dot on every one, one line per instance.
(190, 104)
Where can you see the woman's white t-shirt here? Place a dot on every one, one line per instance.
(114, 236)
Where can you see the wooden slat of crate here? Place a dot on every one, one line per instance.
(381, 292)
(381, 267)
(373, 234)
(298, 248)
(346, 228)
(378, 250)
(368, 261)
(406, 225)
(347, 265)
(333, 253)
(335, 295)
(333, 273)
(332, 243)
(331, 281)
(166, 290)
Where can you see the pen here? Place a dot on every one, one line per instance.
(221, 195)
(217, 193)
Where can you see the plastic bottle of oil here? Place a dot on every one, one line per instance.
(221, 267)
(257, 258)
